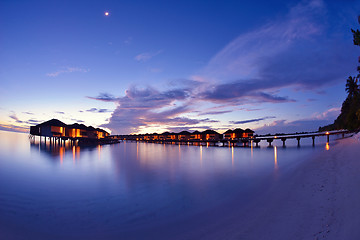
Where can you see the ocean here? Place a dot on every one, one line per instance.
(132, 190)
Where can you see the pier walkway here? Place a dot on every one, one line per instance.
(245, 142)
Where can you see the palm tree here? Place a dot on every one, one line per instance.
(351, 87)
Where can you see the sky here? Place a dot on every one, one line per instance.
(155, 66)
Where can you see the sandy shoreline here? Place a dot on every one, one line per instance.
(320, 199)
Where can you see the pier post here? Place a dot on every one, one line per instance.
(283, 140)
(270, 140)
(313, 139)
(298, 139)
(328, 138)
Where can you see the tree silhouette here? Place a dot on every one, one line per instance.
(351, 87)
(349, 117)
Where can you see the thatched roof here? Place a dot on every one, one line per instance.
(58, 123)
(209, 132)
(52, 122)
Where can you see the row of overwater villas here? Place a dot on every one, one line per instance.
(208, 135)
(56, 128)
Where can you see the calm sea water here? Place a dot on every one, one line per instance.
(130, 190)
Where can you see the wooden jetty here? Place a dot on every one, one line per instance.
(244, 142)
(298, 137)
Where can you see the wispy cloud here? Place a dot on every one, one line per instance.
(98, 110)
(143, 57)
(29, 113)
(252, 120)
(76, 120)
(105, 97)
(59, 112)
(15, 118)
(215, 112)
(23, 123)
(13, 128)
(67, 70)
(296, 51)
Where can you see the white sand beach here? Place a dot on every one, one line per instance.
(320, 199)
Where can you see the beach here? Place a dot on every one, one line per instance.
(320, 199)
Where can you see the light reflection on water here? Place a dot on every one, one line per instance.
(128, 185)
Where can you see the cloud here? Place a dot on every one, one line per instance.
(79, 121)
(105, 97)
(67, 70)
(143, 57)
(215, 112)
(297, 51)
(147, 107)
(13, 128)
(283, 126)
(241, 92)
(189, 129)
(14, 117)
(329, 114)
(33, 121)
(29, 113)
(98, 110)
(252, 120)
(17, 128)
(59, 112)
(303, 125)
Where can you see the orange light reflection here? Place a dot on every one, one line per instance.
(275, 158)
(232, 156)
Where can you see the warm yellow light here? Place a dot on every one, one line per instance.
(327, 133)
(327, 146)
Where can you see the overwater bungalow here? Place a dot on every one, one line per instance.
(210, 135)
(184, 135)
(195, 135)
(56, 128)
(238, 133)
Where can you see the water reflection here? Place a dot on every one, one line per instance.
(327, 146)
(60, 151)
(232, 156)
(275, 158)
(134, 184)
(252, 149)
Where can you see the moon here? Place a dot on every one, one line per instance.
(107, 13)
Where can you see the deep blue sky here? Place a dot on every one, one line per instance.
(171, 65)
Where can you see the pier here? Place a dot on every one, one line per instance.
(240, 142)
(298, 137)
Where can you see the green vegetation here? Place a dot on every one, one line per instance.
(349, 117)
